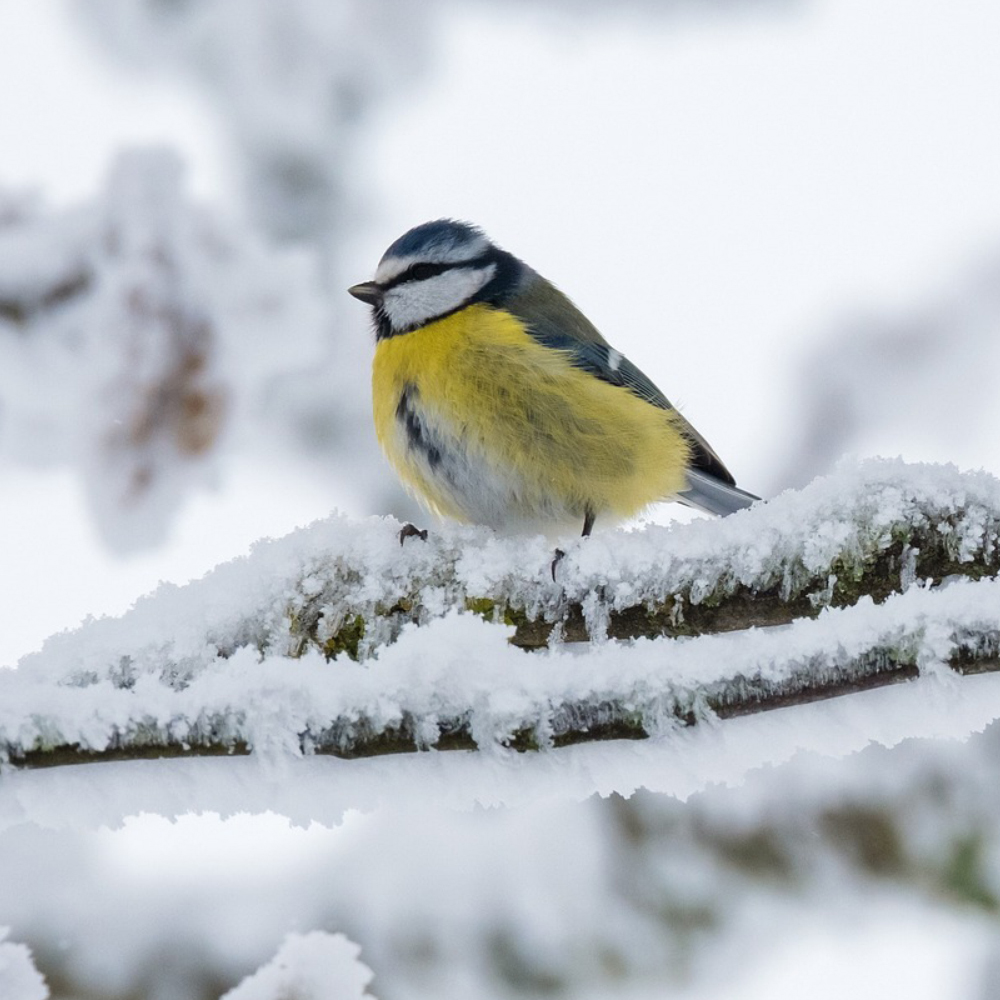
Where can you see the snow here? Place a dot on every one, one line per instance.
(19, 979)
(136, 333)
(229, 659)
(315, 966)
(291, 83)
(731, 253)
(461, 668)
(487, 873)
(415, 861)
(887, 948)
(324, 790)
(341, 567)
(484, 873)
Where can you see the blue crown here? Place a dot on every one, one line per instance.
(441, 235)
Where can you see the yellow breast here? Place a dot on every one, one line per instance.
(488, 426)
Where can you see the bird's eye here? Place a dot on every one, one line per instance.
(418, 272)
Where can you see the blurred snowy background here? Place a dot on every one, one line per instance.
(785, 212)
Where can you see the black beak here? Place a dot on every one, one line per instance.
(368, 292)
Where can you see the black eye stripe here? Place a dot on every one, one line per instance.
(418, 272)
(425, 269)
(506, 276)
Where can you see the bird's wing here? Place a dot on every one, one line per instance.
(710, 494)
(554, 321)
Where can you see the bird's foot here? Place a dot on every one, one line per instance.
(412, 531)
(560, 555)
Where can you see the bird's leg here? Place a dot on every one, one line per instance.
(588, 524)
(412, 531)
(559, 555)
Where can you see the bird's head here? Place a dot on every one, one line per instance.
(436, 269)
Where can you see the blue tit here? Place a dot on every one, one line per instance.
(499, 403)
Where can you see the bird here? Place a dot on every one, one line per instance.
(499, 403)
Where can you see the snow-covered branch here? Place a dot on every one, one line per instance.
(666, 881)
(315, 966)
(19, 979)
(141, 335)
(336, 639)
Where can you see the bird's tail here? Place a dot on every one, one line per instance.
(712, 495)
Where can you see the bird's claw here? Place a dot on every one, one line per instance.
(412, 531)
(560, 555)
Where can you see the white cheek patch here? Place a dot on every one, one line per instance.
(413, 303)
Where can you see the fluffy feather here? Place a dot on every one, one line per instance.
(499, 402)
(498, 429)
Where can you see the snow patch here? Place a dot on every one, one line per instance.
(315, 966)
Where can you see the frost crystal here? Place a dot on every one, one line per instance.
(337, 639)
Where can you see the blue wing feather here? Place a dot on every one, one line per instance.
(607, 364)
(552, 319)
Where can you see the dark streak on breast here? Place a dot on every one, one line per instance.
(417, 438)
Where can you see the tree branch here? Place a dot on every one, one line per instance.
(570, 724)
(262, 652)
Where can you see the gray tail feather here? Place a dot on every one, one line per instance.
(712, 495)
